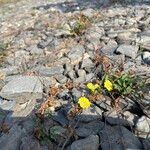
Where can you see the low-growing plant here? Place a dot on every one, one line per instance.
(114, 85)
(81, 24)
(54, 132)
(79, 28)
(124, 84)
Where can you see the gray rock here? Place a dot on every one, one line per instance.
(24, 109)
(115, 12)
(9, 120)
(76, 68)
(91, 54)
(50, 71)
(45, 43)
(146, 46)
(48, 81)
(90, 114)
(54, 45)
(12, 70)
(128, 50)
(128, 65)
(110, 48)
(64, 94)
(87, 64)
(28, 143)
(145, 103)
(89, 143)
(62, 32)
(119, 21)
(141, 70)
(105, 39)
(117, 138)
(90, 128)
(93, 44)
(68, 68)
(2, 83)
(146, 144)
(139, 60)
(117, 59)
(81, 73)
(142, 127)
(28, 124)
(7, 104)
(146, 57)
(12, 140)
(112, 34)
(63, 60)
(98, 71)
(47, 59)
(126, 37)
(94, 33)
(60, 116)
(18, 58)
(80, 79)
(130, 21)
(104, 103)
(76, 54)
(72, 74)
(23, 89)
(128, 119)
(61, 79)
(33, 49)
(3, 115)
(88, 12)
(144, 40)
(36, 51)
(76, 93)
(89, 77)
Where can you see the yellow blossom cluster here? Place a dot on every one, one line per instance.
(93, 87)
(108, 85)
(84, 102)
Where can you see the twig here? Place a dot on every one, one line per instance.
(70, 135)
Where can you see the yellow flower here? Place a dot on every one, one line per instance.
(96, 86)
(84, 102)
(108, 85)
(92, 87)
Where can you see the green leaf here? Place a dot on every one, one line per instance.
(128, 90)
(119, 82)
(117, 87)
(124, 76)
(124, 84)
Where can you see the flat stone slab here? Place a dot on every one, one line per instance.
(128, 50)
(89, 143)
(76, 53)
(118, 138)
(22, 89)
(12, 140)
(6, 105)
(50, 71)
